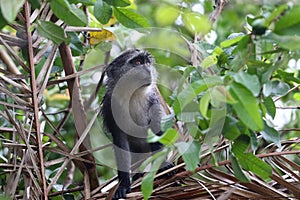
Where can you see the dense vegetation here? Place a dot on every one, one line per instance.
(228, 74)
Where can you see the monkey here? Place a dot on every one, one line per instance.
(130, 107)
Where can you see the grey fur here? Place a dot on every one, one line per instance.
(130, 108)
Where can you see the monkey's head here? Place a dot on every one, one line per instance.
(135, 65)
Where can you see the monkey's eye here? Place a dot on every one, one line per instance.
(137, 62)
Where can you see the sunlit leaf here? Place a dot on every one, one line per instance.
(118, 3)
(169, 137)
(209, 61)
(196, 23)
(166, 15)
(10, 9)
(100, 36)
(130, 18)
(232, 41)
(297, 96)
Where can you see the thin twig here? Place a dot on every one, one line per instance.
(290, 90)
(219, 6)
(76, 189)
(288, 107)
(14, 55)
(73, 75)
(82, 29)
(290, 129)
(35, 100)
(88, 103)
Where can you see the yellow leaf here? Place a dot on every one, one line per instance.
(111, 22)
(100, 36)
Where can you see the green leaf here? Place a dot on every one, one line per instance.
(275, 14)
(232, 41)
(169, 137)
(296, 96)
(83, 2)
(209, 61)
(147, 185)
(167, 122)
(249, 81)
(10, 9)
(271, 135)
(219, 96)
(287, 77)
(35, 4)
(190, 153)
(118, 3)
(130, 19)
(102, 11)
(238, 172)
(253, 139)
(196, 23)
(249, 161)
(166, 15)
(286, 41)
(204, 103)
(288, 21)
(230, 129)
(3, 22)
(246, 107)
(51, 31)
(147, 182)
(188, 94)
(275, 88)
(69, 13)
(270, 106)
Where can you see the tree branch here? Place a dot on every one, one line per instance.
(78, 112)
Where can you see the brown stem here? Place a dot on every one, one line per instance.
(35, 100)
(219, 6)
(78, 112)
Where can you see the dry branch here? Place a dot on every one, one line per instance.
(35, 100)
(78, 113)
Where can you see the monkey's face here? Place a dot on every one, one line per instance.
(135, 66)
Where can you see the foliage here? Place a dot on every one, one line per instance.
(227, 73)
